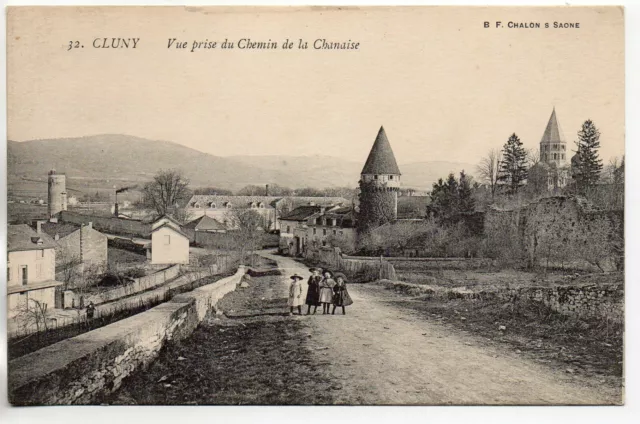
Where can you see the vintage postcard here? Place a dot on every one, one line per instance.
(315, 205)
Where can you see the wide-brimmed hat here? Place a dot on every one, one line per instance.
(315, 269)
(326, 270)
(296, 277)
(340, 275)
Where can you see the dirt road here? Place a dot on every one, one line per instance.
(386, 355)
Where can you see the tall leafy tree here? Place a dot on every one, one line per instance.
(587, 165)
(166, 193)
(513, 166)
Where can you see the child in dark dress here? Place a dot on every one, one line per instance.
(313, 291)
(340, 294)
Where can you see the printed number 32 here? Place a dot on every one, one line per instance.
(73, 45)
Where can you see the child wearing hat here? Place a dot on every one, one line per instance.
(313, 291)
(326, 291)
(340, 294)
(295, 294)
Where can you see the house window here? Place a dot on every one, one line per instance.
(197, 205)
(288, 229)
(334, 232)
(314, 231)
(8, 274)
(563, 156)
(25, 275)
(375, 177)
(324, 232)
(391, 177)
(324, 242)
(167, 240)
(39, 254)
(341, 232)
(261, 205)
(212, 205)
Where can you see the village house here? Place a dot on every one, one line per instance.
(80, 244)
(270, 208)
(315, 226)
(169, 244)
(31, 260)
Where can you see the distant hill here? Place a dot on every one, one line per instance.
(124, 159)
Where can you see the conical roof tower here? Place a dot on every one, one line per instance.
(381, 160)
(553, 146)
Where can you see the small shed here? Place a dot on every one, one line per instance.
(169, 244)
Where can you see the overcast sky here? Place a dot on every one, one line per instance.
(444, 87)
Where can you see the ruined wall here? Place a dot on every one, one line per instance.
(78, 370)
(555, 230)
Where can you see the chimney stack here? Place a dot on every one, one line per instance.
(267, 190)
(115, 210)
(39, 227)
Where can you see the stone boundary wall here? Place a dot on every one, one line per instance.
(138, 285)
(586, 301)
(77, 370)
(107, 224)
(356, 269)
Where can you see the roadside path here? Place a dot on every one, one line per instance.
(387, 355)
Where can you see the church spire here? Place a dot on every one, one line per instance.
(381, 159)
(553, 133)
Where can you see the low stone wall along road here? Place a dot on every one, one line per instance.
(250, 352)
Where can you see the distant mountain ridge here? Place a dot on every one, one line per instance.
(130, 158)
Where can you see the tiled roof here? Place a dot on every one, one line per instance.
(22, 237)
(206, 223)
(237, 202)
(316, 200)
(553, 132)
(344, 217)
(167, 225)
(381, 159)
(169, 218)
(301, 213)
(62, 229)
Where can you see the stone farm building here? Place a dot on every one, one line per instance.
(169, 245)
(31, 258)
(75, 242)
(271, 208)
(315, 226)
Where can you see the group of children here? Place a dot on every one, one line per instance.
(325, 288)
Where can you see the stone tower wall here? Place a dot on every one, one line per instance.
(57, 193)
(378, 205)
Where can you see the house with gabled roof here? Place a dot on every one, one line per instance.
(169, 244)
(77, 243)
(31, 258)
(317, 226)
